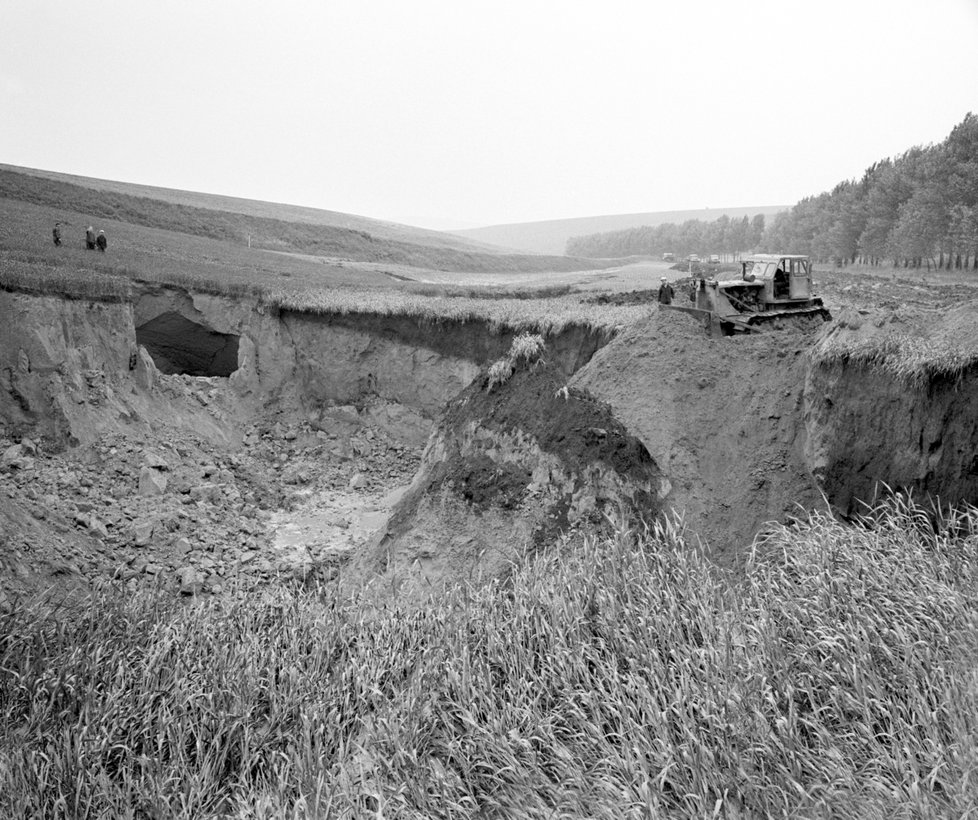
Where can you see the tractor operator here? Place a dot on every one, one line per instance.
(665, 292)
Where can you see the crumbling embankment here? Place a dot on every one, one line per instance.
(397, 367)
(720, 416)
(738, 432)
(867, 429)
(892, 399)
(399, 370)
(62, 363)
(332, 409)
(511, 465)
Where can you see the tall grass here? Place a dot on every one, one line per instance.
(614, 678)
(525, 349)
(545, 315)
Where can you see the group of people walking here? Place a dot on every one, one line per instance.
(92, 240)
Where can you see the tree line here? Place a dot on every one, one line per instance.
(722, 236)
(917, 209)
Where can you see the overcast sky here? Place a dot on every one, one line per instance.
(452, 113)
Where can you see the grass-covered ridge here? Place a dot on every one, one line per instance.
(620, 678)
(916, 348)
(43, 280)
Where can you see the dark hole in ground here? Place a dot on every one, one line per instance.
(179, 345)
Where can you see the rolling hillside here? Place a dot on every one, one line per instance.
(251, 207)
(324, 235)
(551, 235)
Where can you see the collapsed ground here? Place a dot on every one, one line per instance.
(188, 486)
(157, 503)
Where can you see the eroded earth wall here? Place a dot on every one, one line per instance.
(509, 468)
(399, 370)
(744, 430)
(721, 418)
(868, 425)
(62, 362)
(290, 358)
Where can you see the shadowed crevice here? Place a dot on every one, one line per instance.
(179, 345)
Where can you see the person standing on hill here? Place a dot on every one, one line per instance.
(90, 238)
(56, 233)
(101, 241)
(665, 292)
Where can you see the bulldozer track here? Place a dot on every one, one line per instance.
(768, 316)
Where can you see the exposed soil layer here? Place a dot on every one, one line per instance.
(870, 429)
(564, 421)
(476, 341)
(510, 468)
(300, 457)
(720, 416)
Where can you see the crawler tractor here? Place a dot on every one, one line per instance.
(772, 289)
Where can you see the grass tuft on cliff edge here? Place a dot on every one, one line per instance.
(916, 347)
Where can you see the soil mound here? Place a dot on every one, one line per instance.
(509, 468)
(722, 417)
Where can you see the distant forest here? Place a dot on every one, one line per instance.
(723, 235)
(918, 209)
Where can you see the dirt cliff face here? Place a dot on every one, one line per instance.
(720, 416)
(290, 359)
(64, 365)
(72, 374)
(868, 427)
(508, 469)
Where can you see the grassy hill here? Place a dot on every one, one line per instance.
(551, 235)
(295, 265)
(270, 226)
(248, 207)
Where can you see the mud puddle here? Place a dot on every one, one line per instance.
(328, 525)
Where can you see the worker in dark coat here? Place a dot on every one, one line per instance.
(90, 238)
(56, 233)
(665, 292)
(101, 241)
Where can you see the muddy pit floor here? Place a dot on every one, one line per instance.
(163, 506)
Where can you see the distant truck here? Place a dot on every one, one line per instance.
(714, 259)
(668, 257)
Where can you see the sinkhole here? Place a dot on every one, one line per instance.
(179, 345)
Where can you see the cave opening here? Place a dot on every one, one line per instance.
(179, 345)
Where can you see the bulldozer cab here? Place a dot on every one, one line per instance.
(785, 278)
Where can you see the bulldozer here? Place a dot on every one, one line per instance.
(773, 289)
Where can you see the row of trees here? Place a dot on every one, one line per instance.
(723, 235)
(920, 208)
